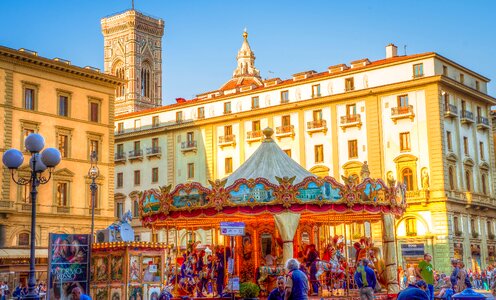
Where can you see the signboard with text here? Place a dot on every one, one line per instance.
(410, 250)
(232, 228)
(68, 265)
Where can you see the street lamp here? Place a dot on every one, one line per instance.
(48, 159)
(93, 173)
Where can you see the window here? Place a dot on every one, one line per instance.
(352, 149)
(190, 137)
(120, 149)
(119, 209)
(23, 239)
(468, 181)
(479, 112)
(94, 147)
(179, 116)
(137, 177)
(62, 197)
(349, 84)
(316, 90)
(317, 115)
(319, 153)
(405, 141)
(120, 127)
(465, 145)
(121, 90)
(418, 70)
(227, 130)
(286, 120)
(456, 224)
(25, 134)
(407, 176)
(284, 96)
(472, 224)
(63, 105)
(484, 184)
(481, 150)
(489, 228)
(351, 110)
(402, 101)
(155, 121)
(445, 70)
(477, 85)
(446, 101)
(30, 98)
(462, 78)
(25, 193)
(464, 106)
(120, 179)
(137, 124)
(288, 152)
(145, 81)
(136, 209)
(154, 175)
(201, 112)
(411, 226)
(191, 170)
(94, 111)
(228, 165)
(448, 141)
(255, 102)
(451, 178)
(227, 107)
(137, 147)
(255, 126)
(63, 145)
(155, 145)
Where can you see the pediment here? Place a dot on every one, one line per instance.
(484, 166)
(352, 165)
(405, 158)
(452, 157)
(468, 162)
(64, 172)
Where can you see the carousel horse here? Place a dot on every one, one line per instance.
(334, 266)
(365, 249)
(265, 272)
(188, 279)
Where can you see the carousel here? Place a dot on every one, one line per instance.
(288, 212)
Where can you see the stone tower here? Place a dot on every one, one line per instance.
(133, 51)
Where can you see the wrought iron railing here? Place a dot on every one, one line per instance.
(402, 110)
(356, 118)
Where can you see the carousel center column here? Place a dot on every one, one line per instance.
(389, 247)
(287, 223)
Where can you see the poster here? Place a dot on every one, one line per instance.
(116, 267)
(68, 265)
(116, 293)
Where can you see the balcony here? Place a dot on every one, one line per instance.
(450, 111)
(482, 123)
(467, 117)
(189, 146)
(254, 136)
(351, 121)
(283, 101)
(6, 205)
(120, 157)
(227, 140)
(316, 126)
(402, 112)
(285, 131)
(136, 154)
(154, 152)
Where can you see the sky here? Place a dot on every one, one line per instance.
(202, 38)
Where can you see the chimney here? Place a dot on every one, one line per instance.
(391, 51)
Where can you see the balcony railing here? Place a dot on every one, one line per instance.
(135, 154)
(154, 151)
(402, 112)
(351, 121)
(482, 123)
(317, 126)
(253, 136)
(188, 146)
(467, 117)
(450, 111)
(227, 140)
(284, 101)
(119, 157)
(285, 131)
(6, 204)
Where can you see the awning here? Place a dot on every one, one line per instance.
(22, 253)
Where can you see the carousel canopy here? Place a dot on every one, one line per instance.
(269, 161)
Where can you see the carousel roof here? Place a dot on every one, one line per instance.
(269, 161)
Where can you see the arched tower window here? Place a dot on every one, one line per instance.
(120, 73)
(407, 175)
(146, 86)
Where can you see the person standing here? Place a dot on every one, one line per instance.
(425, 271)
(411, 273)
(296, 282)
(463, 278)
(278, 292)
(415, 291)
(366, 280)
(4, 290)
(311, 258)
(454, 274)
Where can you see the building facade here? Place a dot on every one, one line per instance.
(73, 109)
(420, 119)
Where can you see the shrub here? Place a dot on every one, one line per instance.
(248, 290)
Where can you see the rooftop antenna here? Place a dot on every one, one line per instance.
(404, 49)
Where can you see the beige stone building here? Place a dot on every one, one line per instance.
(73, 109)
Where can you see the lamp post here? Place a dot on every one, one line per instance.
(93, 174)
(48, 159)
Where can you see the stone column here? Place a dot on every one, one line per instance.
(287, 223)
(389, 248)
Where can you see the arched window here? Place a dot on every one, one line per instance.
(411, 226)
(468, 181)
(119, 72)
(23, 239)
(484, 186)
(146, 81)
(407, 175)
(451, 178)
(136, 209)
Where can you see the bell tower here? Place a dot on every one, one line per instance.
(133, 51)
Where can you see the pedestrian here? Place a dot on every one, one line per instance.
(415, 291)
(424, 270)
(365, 280)
(454, 274)
(463, 279)
(278, 292)
(411, 273)
(296, 282)
(77, 294)
(311, 258)
(4, 290)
